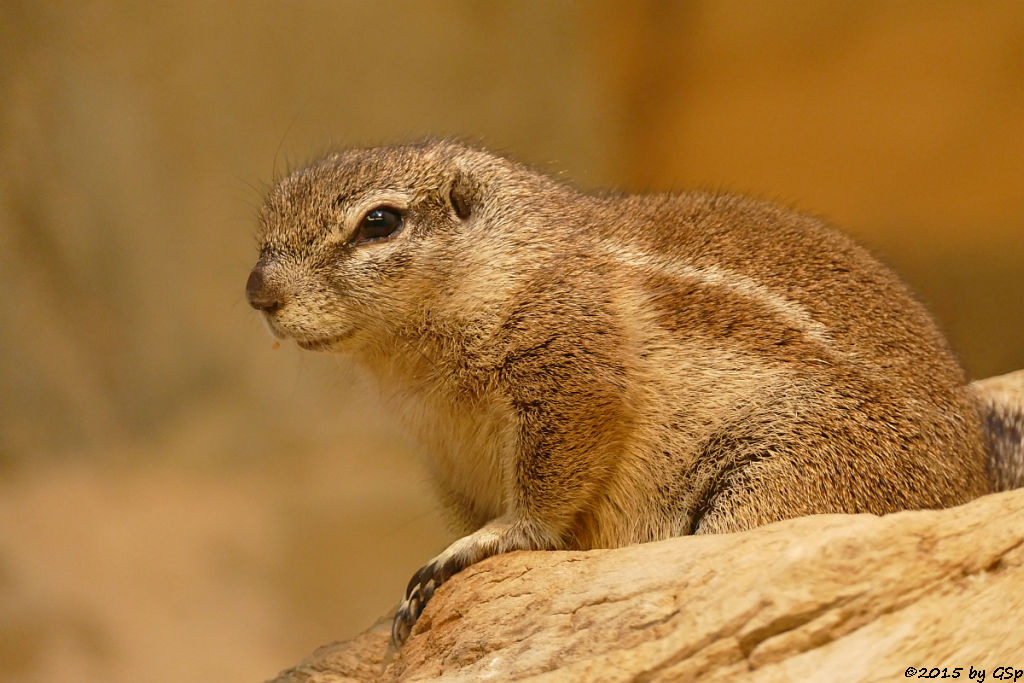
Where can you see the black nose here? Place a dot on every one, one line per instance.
(260, 294)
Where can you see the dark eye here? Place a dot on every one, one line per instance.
(379, 223)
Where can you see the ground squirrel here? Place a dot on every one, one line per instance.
(593, 370)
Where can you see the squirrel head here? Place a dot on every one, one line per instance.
(347, 243)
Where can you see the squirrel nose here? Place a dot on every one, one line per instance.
(261, 296)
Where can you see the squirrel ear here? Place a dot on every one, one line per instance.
(463, 195)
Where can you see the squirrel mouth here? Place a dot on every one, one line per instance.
(324, 344)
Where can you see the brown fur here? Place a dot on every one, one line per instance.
(592, 371)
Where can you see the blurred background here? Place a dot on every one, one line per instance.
(181, 501)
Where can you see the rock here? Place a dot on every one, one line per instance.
(360, 659)
(827, 597)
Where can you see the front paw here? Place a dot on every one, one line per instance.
(493, 538)
(419, 591)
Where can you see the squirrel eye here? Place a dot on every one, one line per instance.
(379, 223)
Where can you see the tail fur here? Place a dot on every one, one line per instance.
(1001, 403)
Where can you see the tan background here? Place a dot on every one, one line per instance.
(179, 501)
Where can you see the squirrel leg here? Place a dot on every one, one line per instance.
(563, 447)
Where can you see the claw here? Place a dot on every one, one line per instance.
(418, 578)
(415, 607)
(417, 594)
(400, 629)
(427, 591)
